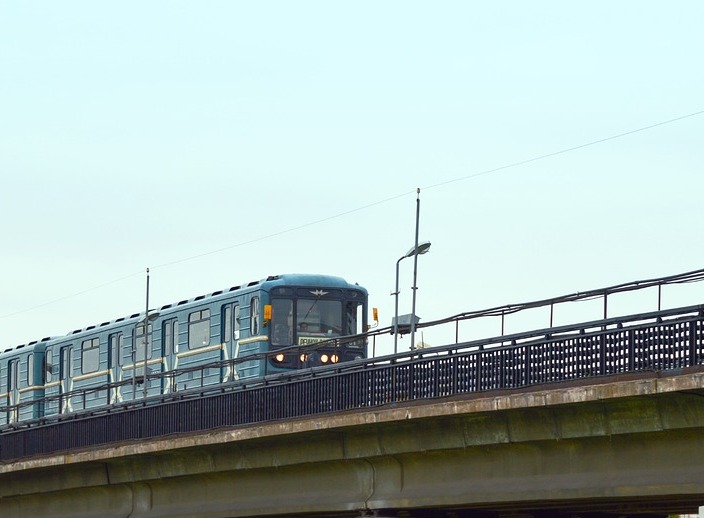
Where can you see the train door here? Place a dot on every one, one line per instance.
(65, 378)
(13, 389)
(169, 350)
(142, 342)
(51, 382)
(229, 336)
(34, 392)
(115, 345)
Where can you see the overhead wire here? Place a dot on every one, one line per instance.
(432, 186)
(563, 151)
(365, 207)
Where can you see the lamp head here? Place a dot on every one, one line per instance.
(420, 250)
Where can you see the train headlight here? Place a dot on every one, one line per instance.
(334, 358)
(303, 357)
(279, 357)
(324, 358)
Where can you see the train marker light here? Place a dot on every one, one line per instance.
(267, 314)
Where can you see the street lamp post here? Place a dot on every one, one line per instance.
(419, 249)
(147, 319)
(146, 336)
(415, 273)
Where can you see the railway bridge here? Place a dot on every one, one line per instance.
(593, 419)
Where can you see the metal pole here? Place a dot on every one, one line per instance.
(146, 336)
(396, 309)
(415, 273)
(659, 296)
(134, 366)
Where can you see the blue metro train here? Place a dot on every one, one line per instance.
(189, 344)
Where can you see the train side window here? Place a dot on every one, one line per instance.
(127, 352)
(175, 335)
(199, 329)
(66, 362)
(170, 334)
(236, 322)
(226, 323)
(230, 323)
(254, 316)
(90, 355)
(12, 375)
(48, 364)
(30, 370)
(167, 339)
(141, 347)
(115, 342)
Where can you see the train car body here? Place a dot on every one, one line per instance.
(283, 322)
(22, 382)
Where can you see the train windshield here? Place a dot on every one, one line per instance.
(320, 317)
(302, 321)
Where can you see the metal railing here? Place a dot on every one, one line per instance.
(667, 340)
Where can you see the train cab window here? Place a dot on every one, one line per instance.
(353, 313)
(90, 355)
(199, 329)
(254, 316)
(282, 321)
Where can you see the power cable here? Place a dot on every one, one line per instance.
(367, 206)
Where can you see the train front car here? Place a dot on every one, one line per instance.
(313, 320)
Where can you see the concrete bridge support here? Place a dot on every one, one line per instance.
(628, 446)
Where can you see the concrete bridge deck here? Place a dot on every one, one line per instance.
(625, 445)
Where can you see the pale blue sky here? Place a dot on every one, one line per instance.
(138, 134)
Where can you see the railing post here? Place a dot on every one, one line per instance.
(693, 360)
(478, 385)
(659, 296)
